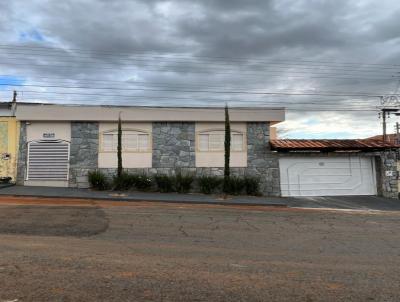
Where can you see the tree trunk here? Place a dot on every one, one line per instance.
(227, 146)
(119, 148)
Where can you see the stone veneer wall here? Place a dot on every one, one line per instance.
(22, 154)
(174, 148)
(173, 145)
(386, 161)
(261, 161)
(83, 153)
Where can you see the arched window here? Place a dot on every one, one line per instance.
(132, 141)
(209, 141)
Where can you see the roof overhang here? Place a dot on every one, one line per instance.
(50, 112)
(6, 109)
(331, 145)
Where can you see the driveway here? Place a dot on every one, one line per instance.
(346, 202)
(79, 250)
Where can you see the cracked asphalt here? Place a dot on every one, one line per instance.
(77, 250)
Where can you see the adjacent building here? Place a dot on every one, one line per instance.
(9, 132)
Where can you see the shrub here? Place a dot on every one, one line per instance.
(209, 184)
(183, 183)
(235, 185)
(98, 180)
(165, 183)
(5, 180)
(124, 182)
(143, 182)
(252, 185)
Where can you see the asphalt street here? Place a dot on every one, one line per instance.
(76, 250)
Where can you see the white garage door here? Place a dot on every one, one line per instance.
(48, 160)
(327, 176)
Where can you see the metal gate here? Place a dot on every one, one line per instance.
(48, 160)
(327, 175)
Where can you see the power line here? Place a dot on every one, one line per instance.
(166, 84)
(174, 99)
(283, 66)
(189, 91)
(302, 109)
(77, 50)
(320, 102)
(184, 69)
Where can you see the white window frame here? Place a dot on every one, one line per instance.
(125, 133)
(221, 133)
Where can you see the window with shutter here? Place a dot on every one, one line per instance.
(132, 141)
(237, 142)
(215, 141)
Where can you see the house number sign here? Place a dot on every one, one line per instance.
(49, 135)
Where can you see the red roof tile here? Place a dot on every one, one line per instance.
(331, 144)
(392, 138)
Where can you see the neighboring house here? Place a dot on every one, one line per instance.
(337, 167)
(59, 144)
(8, 140)
(391, 138)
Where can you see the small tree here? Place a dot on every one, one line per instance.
(119, 148)
(227, 146)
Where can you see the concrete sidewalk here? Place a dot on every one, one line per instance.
(141, 196)
(327, 202)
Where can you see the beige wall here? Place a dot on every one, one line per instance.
(273, 133)
(51, 112)
(216, 159)
(35, 130)
(129, 159)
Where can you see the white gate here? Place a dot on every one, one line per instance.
(327, 175)
(48, 160)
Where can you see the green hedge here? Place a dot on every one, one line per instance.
(210, 184)
(98, 180)
(181, 183)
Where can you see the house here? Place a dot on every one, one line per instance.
(391, 138)
(337, 167)
(59, 144)
(9, 132)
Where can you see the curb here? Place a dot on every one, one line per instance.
(2, 186)
(122, 199)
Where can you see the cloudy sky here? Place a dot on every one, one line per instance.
(327, 61)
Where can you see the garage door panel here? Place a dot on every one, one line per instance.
(324, 176)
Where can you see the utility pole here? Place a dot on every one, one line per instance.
(385, 113)
(397, 132)
(14, 103)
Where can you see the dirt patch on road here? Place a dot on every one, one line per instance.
(77, 221)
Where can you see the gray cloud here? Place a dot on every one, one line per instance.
(254, 45)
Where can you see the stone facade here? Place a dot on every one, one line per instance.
(84, 152)
(174, 149)
(173, 145)
(261, 161)
(22, 154)
(387, 162)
